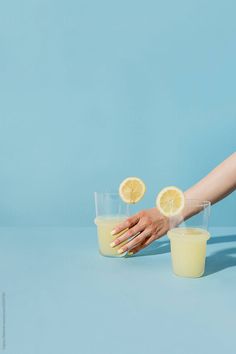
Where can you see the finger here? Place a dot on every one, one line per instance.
(131, 251)
(150, 240)
(144, 244)
(137, 248)
(133, 231)
(131, 221)
(135, 241)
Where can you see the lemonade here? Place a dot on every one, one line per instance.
(105, 224)
(188, 251)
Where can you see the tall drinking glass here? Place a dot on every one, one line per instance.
(188, 238)
(110, 211)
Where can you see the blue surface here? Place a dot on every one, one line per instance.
(63, 297)
(94, 91)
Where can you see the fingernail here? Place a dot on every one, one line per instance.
(113, 232)
(112, 244)
(130, 253)
(120, 251)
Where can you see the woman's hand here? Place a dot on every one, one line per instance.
(147, 225)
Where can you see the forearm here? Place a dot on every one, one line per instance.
(217, 184)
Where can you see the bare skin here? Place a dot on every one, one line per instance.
(149, 225)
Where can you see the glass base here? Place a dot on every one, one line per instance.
(113, 256)
(189, 276)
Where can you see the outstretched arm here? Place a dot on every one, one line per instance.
(150, 225)
(217, 184)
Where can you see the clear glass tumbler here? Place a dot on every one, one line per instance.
(110, 211)
(188, 239)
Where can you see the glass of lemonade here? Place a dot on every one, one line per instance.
(188, 240)
(110, 211)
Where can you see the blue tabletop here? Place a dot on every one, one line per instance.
(61, 296)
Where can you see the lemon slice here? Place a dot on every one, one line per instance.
(170, 201)
(132, 189)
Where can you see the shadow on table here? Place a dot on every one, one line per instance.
(224, 238)
(157, 247)
(222, 259)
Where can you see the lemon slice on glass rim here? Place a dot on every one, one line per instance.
(170, 201)
(132, 190)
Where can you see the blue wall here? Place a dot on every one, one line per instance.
(94, 91)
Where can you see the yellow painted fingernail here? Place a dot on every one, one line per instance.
(113, 232)
(112, 244)
(130, 253)
(120, 251)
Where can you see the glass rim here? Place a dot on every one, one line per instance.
(199, 202)
(109, 193)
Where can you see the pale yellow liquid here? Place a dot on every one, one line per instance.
(188, 251)
(105, 224)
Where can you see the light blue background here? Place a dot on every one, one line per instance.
(94, 91)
